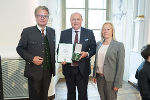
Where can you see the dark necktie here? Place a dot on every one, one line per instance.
(76, 37)
(42, 30)
(75, 63)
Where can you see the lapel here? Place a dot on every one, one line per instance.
(99, 44)
(48, 33)
(82, 35)
(69, 35)
(109, 48)
(37, 33)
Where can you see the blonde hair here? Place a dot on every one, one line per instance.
(113, 30)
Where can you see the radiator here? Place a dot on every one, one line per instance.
(1, 82)
(14, 83)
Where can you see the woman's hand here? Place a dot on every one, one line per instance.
(116, 89)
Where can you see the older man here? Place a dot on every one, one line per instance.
(77, 73)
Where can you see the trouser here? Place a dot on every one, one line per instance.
(38, 89)
(105, 88)
(75, 79)
(143, 98)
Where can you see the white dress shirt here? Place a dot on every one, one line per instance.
(74, 33)
(41, 29)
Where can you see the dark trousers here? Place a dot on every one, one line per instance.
(105, 89)
(75, 79)
(143, 98)
(38, 89)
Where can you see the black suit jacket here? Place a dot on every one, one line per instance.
(88, 42)
(32, 44)
(144, 81)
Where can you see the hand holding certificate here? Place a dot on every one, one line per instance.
(65, 52)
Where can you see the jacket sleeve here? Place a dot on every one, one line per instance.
(139, 68)
(137, 74)
(143, 79)
(22, 47)
(95, 61)
(92, 45)
(119, 66)
(94, 69)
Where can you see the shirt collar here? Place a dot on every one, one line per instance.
(40, 28)
(76, 30)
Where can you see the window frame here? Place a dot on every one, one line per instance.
(108, 11)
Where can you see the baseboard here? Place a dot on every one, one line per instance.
(133, 84)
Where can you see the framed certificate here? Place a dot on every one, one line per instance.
(65, 53)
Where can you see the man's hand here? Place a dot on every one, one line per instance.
(63, 63)
(37, 60)
(94, 80)
(83, 54)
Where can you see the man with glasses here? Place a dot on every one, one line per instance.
(37, 48)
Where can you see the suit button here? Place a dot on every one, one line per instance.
(42, 51)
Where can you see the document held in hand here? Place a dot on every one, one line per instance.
(65, 52)
(69, 52)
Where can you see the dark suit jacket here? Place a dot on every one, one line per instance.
(144, 80)
(32, 44)
(88, 42)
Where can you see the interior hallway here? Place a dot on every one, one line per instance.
(127, 92)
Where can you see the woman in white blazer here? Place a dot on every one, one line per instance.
(109, 63)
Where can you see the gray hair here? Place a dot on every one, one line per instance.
(42, 8)
(76, 13)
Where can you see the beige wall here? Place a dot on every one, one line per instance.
(15, 15)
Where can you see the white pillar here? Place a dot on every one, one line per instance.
(141, 7)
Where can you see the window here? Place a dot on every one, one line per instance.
(94, 14)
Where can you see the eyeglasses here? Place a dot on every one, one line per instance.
(42, 16)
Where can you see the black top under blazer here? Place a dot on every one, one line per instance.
(144, 80)
(30, 45)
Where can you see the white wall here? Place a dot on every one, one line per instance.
(19, 14)
(15, 15)
(55, 16)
